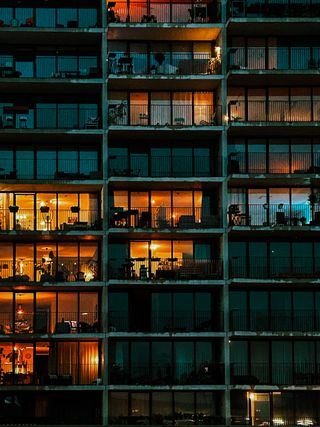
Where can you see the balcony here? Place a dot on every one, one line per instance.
(303, 111)
(44, 67)
(300, 373)
(162, 218)
(21, 366)
(46, 14)
(134, 12)
(274, 58)
(275, 162)
(265, 8)
(47, 169)
(49, 117)
(270, 215)
(161, 166)
(182, 373)
(161, 269)
(163, 64)
(164, 322)
(66, 270)
(49, 220)
(43, 322)
(49, 261)
(274, 268)
(164, 115)
(274, 321)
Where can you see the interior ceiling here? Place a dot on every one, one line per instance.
(174, 32)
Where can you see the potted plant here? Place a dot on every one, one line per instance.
(75, 209)
(44, 209)
(13, 208)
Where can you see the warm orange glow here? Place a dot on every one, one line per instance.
(20, 309)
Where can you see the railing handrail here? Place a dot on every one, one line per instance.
(158, 166)
(268, 101)
(167, 104)
(164, 268)
(164, 12)
(169, 259)
(163, 114)
(35, 20)
(293, 161)
(273, 110)
(273, 267)
(274, 9)
(174, 63)
(266, 206)
(163, 217)
(273, 258)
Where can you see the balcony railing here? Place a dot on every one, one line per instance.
(161, 166)
(43, 16)
(163, 114)
(62, 219)
(47, 270)
(274, 320)
(274, 9)
(48, 169)
(164, 321)
(163, 217)
(47, 323)
(165, 269)
(277, 162)
(274, 111)
(25, 117)
(172, 64)
(50, 67)
(64, 374)
(274, 58)
(165, 12)
(181, 373)
(270, 214)
(299, 373)
(276, 267)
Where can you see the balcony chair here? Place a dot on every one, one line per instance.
(92, 123)
(23, 120)
(9, 122)
(281, 218)
(125, 65)
(112, 62)
(187, 221)
(209, 221)
(63, 328)
(143, 272)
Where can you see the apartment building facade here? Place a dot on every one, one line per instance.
(159, 212)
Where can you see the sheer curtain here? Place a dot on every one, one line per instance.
(67, 360)
(89, 362)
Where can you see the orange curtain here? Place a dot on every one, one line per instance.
(89, 362)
